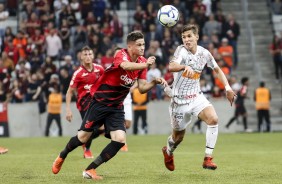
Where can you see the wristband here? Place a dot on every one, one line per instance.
(227, 88)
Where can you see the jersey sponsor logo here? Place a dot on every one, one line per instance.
(88, 124)
(84, 74)
(186, 96)
(126, 79)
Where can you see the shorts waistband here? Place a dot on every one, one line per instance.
(189, 96)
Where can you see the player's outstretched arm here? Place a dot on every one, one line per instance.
(126, 65)
(176, 67)
(145, 86)
(230, 95)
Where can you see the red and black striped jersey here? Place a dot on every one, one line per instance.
(115, 83)
(82, 79)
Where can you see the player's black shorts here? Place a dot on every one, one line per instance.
(82, 114)
(240, 110)
(99, 114)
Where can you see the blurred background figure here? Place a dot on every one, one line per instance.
(262, 98)
(54, 108)
(240, 109)
(140, 111)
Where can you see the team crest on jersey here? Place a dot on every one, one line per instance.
(87, 87)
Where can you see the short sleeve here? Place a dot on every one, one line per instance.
(210, 60)
(177, 57)
(74, 79)
(120, 57)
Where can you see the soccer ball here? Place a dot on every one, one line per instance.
(168, 15)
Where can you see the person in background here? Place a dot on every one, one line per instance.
(55, 101)
(140, 110)
(240, 109)
(262, 98)
(82, 79)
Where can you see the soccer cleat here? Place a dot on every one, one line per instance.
(168, 160)
(91, 174)
(57, 165)
(208, 164)
(87, 154)
(124, 148)
(3, 150)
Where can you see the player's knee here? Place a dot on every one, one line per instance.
(213, 120)
(118, 136)
(83, 136)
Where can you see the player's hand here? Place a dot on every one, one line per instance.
(188, 72)
(68, 115)
(151, 60)
(231, 96)
(161, 81)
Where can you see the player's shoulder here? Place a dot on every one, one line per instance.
(97, 66)
(181, 50)
(78, 70)
(122, 54)
(142, 59)
(203, 50)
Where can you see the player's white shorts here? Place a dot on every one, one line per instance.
(181, 114)
(127, 103)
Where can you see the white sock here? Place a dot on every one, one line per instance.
(170, 145)
(211, 137)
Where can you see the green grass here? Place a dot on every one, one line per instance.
(241, 158)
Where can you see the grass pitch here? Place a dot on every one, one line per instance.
(241, 158)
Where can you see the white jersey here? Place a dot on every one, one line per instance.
(185, 89)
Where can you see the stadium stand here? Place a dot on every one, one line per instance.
(76, 24)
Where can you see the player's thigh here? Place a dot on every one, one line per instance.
(180, 117)
(94, 117)
(83, 136)
(114, 121)
(209, 115)
(118, 136)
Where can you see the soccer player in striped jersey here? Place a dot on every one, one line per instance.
(107, 106)
(82, 80)
(187, 64)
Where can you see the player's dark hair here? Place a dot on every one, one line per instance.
(117, 48)
(244, 80)
(86, 48)
(191, 27)
(133, 36)
(261, 84)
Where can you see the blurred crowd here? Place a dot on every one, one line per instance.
(45, 49)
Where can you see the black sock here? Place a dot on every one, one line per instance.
(73, 143)
(245, 123)
(108, 152)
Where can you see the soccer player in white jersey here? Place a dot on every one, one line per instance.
(187, 99)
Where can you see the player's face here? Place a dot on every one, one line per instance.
(190, 40)
(87, 56)
(138, 47)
